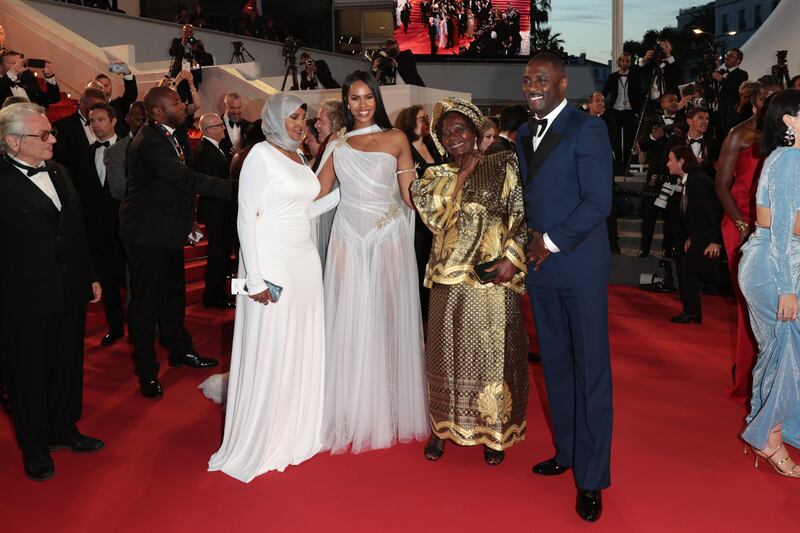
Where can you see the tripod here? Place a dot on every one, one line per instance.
(656, 78)
(291, 67)
(238, 53)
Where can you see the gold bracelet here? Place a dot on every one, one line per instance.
(741, 225)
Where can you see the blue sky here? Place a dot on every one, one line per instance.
(585, 25)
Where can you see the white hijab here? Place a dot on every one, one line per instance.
(273, 115)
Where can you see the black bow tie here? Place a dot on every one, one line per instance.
(623, 75)
(98, 144)
(668, 117)
(538, 126)
(30, 171)
(234, 124)
(15, 83)
(693, 141)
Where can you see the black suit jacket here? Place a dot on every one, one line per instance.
(671, 77)
(121, 104)
(72, 143)
(46, 266)
(611, 89)
(701, 220)
(101, 210)
(158, 209)
(407, 67)
(50, 95)
(729, 93)
(225, 144)
(210, 160)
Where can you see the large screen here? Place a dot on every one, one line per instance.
(470, 28)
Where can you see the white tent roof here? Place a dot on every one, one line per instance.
(779, 32)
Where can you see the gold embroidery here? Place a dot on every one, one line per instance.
(341, 137)
(479, 435)
(494, 402)
(390, 214)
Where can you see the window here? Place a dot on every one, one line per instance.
(742, 24)
(725, 28)
(757, 16)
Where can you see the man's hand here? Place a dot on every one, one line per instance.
(505, 271)
(683, 102)
(97, 292)
(717, 75)
(648, 56)
(536, 251)
(19, 67)
(687, 245)
(667, 46)
(712, 250)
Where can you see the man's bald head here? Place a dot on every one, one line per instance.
(212, 126)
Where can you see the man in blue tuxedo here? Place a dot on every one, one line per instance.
(565, 158)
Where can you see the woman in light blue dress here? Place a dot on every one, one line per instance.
(769, 275)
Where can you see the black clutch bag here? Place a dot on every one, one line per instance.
(483, 275)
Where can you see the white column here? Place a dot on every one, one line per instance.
(616, 31)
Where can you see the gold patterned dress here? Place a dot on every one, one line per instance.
(476, 355)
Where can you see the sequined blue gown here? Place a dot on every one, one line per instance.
(770, 266)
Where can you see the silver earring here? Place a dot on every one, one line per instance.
(789, 136)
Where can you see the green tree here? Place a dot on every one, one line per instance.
(543, 40)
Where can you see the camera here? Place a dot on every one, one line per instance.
(290, 48)
(309, 63)
(659, 54)
(655, 283)
(698, 102)
(781, 55)
(191, 40)
(666, 192)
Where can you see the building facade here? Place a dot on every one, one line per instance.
(742, 16)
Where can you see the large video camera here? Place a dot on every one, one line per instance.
(780, 71)
(659, 54)
(290, 48)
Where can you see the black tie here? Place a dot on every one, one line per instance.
(623, 75)
(538, 126)
(98, 144)
(30, 171)
(234, 124)
(16, 83)
(698, 141)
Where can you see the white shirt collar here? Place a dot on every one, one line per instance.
(212, 141)
(169, 129)
(21, 162)
(551, 116)
(111, 140)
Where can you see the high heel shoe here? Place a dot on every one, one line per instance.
(775, 463)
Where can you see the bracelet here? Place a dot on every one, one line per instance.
(741, 225)
(414, 170)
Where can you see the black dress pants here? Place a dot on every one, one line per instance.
(651, 212)
(110, 264)
(158, 296)
(220, 221)
(693, 269)
(622, 125)
(43, 367)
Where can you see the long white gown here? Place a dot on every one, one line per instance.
(375, 385)
(276, 385)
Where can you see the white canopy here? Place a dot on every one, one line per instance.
(779, 32)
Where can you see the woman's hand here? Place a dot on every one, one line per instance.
(787, 307)
(263, 297)
(97, 292)
(505, 271)
(743, 235)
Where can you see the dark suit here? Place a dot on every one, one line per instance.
(121, 104)
(50, 95)
(178, 51)
(700, 216)
(101, 213)
(568, 196)
(407, 68)
(45, 282)
(729, 95)
(225, 144)
(155, 220)
(116, 158)
(72, 142)
(622, 122)
(219, 217)
(670, 79)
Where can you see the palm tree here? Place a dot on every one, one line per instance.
(540, 12)
(544, 40)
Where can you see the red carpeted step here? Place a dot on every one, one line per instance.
(195, 270)
(198, 251)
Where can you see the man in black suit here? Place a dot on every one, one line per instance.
(101, 213)
(46, 279)
(405, 63)
(315, 73)
(511, 118)
(623, 91)
(700, 217)
(217, 214)
(155, 219)
(18, 80)
(668, 76)
(730, 78)
(432, 34)
(184, 51)
(120, 103)
(235, 125)
(74, 132)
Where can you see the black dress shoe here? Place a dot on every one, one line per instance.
(78, 443)
(534, 357)
(111, 337)
(644, 253)
(150, 388)
(193, 360)
(549, 468)
(687, 318)
(39, 466)
(589, 505)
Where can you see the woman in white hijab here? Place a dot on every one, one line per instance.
(275, 391)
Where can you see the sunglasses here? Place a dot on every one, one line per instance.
(44, 136)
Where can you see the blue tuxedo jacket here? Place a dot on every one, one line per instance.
(568, 185)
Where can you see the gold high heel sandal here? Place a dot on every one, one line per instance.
(794, 471)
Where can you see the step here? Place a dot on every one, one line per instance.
(198, 251)
(195, 270)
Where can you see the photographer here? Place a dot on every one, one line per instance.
(185, 52)
(623, 89)
(391, 66)
(19, 80)
(315, 73)
(730, 77)
(659, 66)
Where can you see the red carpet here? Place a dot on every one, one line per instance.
(677, 463)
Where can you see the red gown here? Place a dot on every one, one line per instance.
(743, 190)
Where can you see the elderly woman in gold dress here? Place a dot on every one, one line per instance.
(476, 354)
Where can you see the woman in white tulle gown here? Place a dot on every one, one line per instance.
(375, 389)
(276, 384)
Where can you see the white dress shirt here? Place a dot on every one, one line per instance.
(234, 133)
(87, 129)
(622, 102)
(550, 117)
(697, 148)
(19, 90)
(99, 163)
(43, 181)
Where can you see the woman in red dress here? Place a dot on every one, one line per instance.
(737, 178)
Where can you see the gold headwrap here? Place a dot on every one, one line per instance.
(451, 103)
